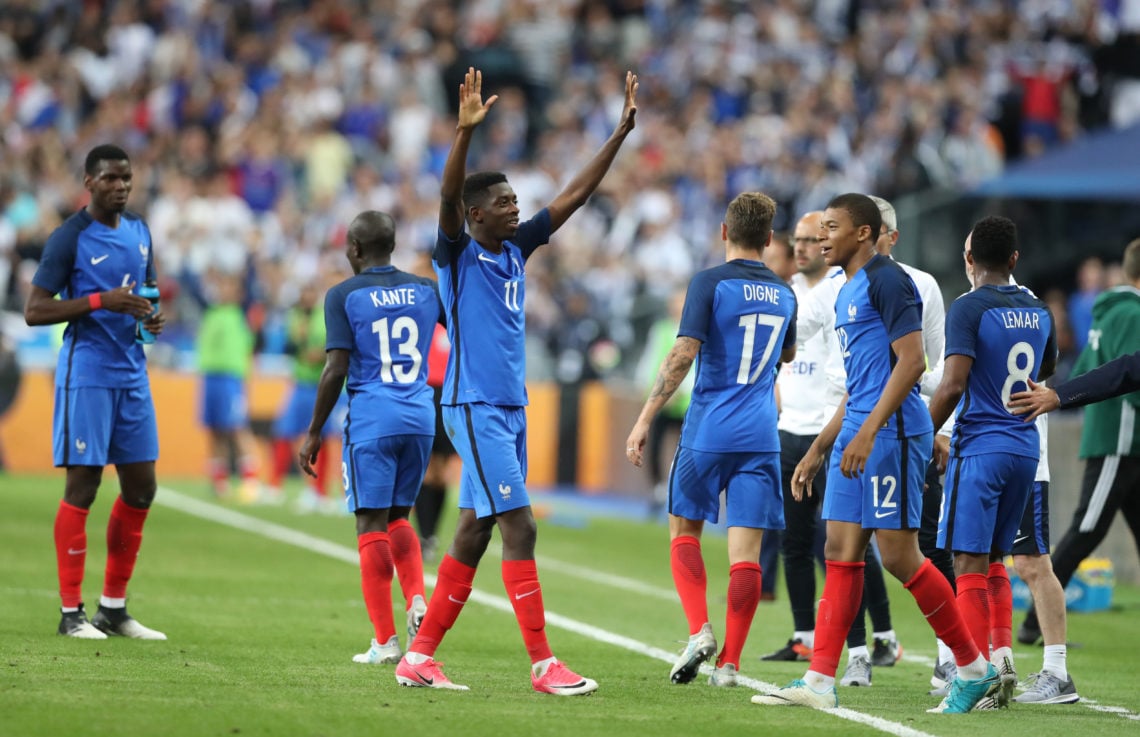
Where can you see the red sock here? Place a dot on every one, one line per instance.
(282, 460)
(520, 577)
(249, 468)
(408, 557)
(70, 552)
(974, 604)
(1001, 606)
(689, 578)
(936, 601)
(219, 475)
(326, 463)
(743, 596)
(376, 582)
(842, 592)
(452, 587)
(124, 536)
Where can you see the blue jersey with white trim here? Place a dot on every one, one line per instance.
(745, 316)
(876, 307)
(385, 319)
(483, 296)
(83, 256)
(1008, 332)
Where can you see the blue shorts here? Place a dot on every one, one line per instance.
(384, 472)
(224, 404)
(983, 502)
(888, 494)
(491, 441)
(94, 426)
(750, 482)
(1033, 532)
(293, 422)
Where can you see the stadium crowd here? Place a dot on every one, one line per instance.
(258, 128)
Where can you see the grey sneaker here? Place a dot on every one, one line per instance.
(886, 653)
(700, 648)
(858, 672)
(1049, 689)
(724, 676)
(944, 674)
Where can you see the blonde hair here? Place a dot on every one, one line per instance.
(749, 219)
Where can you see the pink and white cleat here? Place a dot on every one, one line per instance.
(561, 681)
(428, 674)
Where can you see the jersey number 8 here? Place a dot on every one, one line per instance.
(1017, 374)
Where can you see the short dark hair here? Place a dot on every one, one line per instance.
(103, 152)
(862, 209)
(993, 241)
(1131, 263)
(476, 185)
(749, 219)
(374, 232)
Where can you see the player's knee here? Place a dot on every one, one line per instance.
(1032, 568)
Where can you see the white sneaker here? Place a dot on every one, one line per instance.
(798, 693)
(700, 648)
(858, 672)
(1049, 689)
(724, 676)
(75, 624)
(387, 653)
(416, 613)
(114, 621)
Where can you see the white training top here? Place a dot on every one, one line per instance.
(812, 385)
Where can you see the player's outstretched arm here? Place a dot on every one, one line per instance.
(328, 391)
(586, 181)
(673, 371)
(41, 307)
(472, 110)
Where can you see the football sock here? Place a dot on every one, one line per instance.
(520, 577)
(1055, 656)
(857, 651)
(452, 587)
(282, 462)
(70, 552)
(325, 464)
(689, 578)
(935, 599)
(744, 581)
(219, 475)
(842, 591)
(408, 559)
(124, 536)
(974, 604)
(249, 468)
(376, 582)
(1001, 606)
(806, 638)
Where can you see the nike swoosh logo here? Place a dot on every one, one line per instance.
(100, 259)
(457, 601)
(71, 551)
(420, 676)
(483, 257)
(529, 593)
(1016, 540)
(880, 515)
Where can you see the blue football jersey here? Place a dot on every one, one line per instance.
(1008, 332)
(83, 256)
(483, 296)
(385, 318)
(745, 316)
(879, 305)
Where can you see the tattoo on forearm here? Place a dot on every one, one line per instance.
(672, 373)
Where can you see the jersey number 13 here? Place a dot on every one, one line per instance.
(404, 328)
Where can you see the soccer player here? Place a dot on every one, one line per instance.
(482, 281)
(378, 328)
(882, 440)
(1000, 335)
(739, 319)
(103, 408)
(225, 353)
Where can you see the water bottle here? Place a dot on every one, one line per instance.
(149, 290)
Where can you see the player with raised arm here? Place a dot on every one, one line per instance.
(378, 327)
(882, 444)
(740, 319)
(103, 407)
(482, 282)
(999, 337)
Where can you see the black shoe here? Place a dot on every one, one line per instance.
(793, 651)
(885, 653)
(115, 621)
(75, 624)
(1027, 634)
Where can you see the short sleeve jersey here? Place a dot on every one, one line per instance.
(483, 296)
(385, 319)
(879, 305)
(83, 256)
(745, 316)
(1008, 332)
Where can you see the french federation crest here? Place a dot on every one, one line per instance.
(144, 250)
(505, 492)
(851, 310)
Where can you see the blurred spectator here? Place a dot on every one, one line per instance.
(1090, 283)
(780, 257)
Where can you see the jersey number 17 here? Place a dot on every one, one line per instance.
(746, 374)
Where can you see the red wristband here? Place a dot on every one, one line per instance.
(95, 300)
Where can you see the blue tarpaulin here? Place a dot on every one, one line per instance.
(1098, 166)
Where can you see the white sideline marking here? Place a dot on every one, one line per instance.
(215, 513)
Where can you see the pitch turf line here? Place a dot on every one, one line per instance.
(221, 515)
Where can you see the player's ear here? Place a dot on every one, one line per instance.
(1013, 260)
(724, 232)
